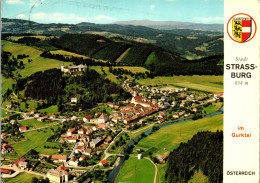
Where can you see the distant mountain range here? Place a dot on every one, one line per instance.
(190, 40)
(170, 25)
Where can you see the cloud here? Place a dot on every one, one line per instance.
(152, 6)
(14, 2)
(21, 16)
(61, 17)
(207, 19)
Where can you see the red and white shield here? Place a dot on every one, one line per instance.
(241, 28)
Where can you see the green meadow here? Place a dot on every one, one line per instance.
(135, 170)
(34, 139)
(171, 136)
(22, 178)
(34, 123)
(38, 64)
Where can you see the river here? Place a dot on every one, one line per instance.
(114, 173)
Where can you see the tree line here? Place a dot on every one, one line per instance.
(75, 60)
(121, 71)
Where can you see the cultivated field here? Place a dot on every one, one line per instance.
(203, 83)
(22, 178)
(135, 170)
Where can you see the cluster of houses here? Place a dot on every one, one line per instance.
(6, 148)
(138, 109)
(79, 136)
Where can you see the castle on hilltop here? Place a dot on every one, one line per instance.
(73, 69)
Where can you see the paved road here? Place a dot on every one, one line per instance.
(73, 149)
(108, 154)
(12, 110)
(46, 126)
(18, 171)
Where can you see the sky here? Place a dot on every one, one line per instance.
(109, 11)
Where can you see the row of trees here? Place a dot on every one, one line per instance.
(121, 71)
(203, 152)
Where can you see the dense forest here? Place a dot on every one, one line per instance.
(159, 62)
(45, 85)
(167, 65)
(203, 152)
(89, 88)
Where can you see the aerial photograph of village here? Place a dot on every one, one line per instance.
(112, 91)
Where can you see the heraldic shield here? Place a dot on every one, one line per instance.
(241, 28)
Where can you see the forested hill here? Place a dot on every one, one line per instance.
(191, 43)
(154, 58)
(89, 87)
(204, 152)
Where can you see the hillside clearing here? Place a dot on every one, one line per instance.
(122, 55)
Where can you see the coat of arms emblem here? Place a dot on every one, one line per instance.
(241, 28)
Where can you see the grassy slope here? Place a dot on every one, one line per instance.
(67, 53)
(22, 178)
(113, 77)
(135, 170)
(213, 108)
(173, 135)
(6, 83)
(134, 69)
(35, 139)
(33, 123)
(199, 177)
(50, 110)
(151, 58)
(204, 83)
(38, 63)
